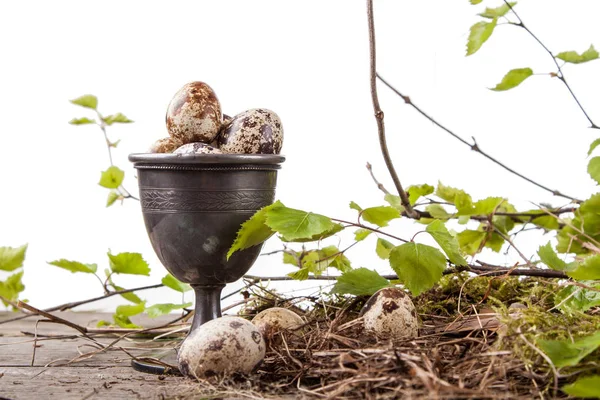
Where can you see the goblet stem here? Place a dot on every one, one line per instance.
(208, 304)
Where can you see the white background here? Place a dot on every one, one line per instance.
(307, 61)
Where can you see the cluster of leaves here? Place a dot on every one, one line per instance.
(11, 261)
(129, 264)
(481, 31)
(113, 177)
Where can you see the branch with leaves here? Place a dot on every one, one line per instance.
(113, 177)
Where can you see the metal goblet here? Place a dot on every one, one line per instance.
(193, 206)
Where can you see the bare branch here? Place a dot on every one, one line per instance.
(379, 116)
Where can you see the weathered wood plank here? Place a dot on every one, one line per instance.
(82, 383)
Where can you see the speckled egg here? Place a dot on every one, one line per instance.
(390, 314)
(275, 319)
(221, 346)
(194, 114)
(256, 131)
(165, 145)
(197, 148)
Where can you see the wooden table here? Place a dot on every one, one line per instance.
(49, 375)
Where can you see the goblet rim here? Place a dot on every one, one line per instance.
(192, 159)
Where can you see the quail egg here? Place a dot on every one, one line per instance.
(256, 131)
(222, 346)
(197, 148)
(194, 114)
(390, 314)
(275, 319)
(165, 145)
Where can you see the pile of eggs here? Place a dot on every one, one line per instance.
(197, 125)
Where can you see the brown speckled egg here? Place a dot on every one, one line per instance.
(390, 314)
(194, 114)
(165, 145)
(221, 346)
(256, 131)
(197, 148)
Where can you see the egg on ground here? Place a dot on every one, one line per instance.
(390, 314)
(256, 131)
(165, 145)
(222, 346)
(194, 114)
(275, 319)
(197, 148)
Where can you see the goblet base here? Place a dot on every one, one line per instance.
(165, 364)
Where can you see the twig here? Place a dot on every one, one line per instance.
(544, 356)
(68, 306)
(379, 185)
(379, 116)
(560, 75)
(53, 318)
(475, 147)
(369, 228)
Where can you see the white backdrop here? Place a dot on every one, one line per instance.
(307, 61)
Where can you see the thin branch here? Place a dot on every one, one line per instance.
(379, 185)
(475, 147)
(379, 116)
(369, 228)
(560, 75)
(68, 306)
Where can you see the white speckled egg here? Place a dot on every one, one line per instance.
(275, 319)
(221, 346)
(165, 145)
(197, 148)
(390, 314)
(256, 131)
(194, 114)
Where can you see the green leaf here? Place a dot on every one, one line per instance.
(449, 193)
(383, 248)
(128, 263)
(513, 78)
(479, 34)
(82, 121)
(12, 258)
(464, 204)
(290, 258)
(418, 266)
(330, 232)
(587, 270)
(551, 259)
(130, 296)
(487, 205)
(416, 191)
(111, 178)
(317, 261)
(87, 101)
(75, 266)
(114, 144)
(469, 241)
(171, 282)
(575, 58)
(447, 242)
(572, 299)
(380, 216)
(475, 1)
(438, 211)
(296, 224)
(498, 11)
(567, 353)
(355, 206)
(116, 118)
(361, 234)
(157, 310)
(394, 201)
(131, 310)
(11, 287)
(594, 169)
(593, 146)
(495, 242)
(124, 322)
(112, 197)
(360, 282)
(586, 387)
(300, 275)
(254, 231)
